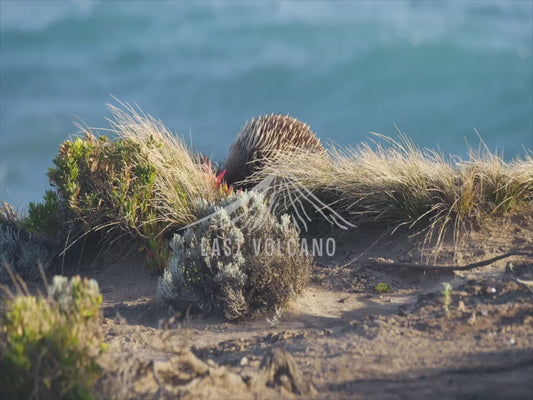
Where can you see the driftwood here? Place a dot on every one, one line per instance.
(194, 374)
(279, 368)
(527, 284)
(425, 267)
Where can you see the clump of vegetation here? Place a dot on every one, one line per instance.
(276, 317)
(383, 288)
(396, 183)
(239, 259)
(140, 184)
(50, 344)
(447, 296)
(20, 248)
(46, 218)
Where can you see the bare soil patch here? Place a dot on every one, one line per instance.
(341, 339)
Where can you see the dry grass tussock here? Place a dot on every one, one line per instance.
(181, 180)
(395, 182)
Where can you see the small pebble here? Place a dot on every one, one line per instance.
(244, 361)
(492, 290)
(285, 382)
(512, 341)
(472, 319)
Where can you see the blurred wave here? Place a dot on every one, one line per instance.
(438, 70)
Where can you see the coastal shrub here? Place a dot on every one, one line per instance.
(139, 184)
(21, 249)
(239, 259)
(103, 181)
(50, 344)
(46, 218)
(398, 184)
(383, 288)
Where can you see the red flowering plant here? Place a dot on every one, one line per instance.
(157, 248)
(218, 179)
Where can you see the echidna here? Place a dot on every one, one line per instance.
(263, 137)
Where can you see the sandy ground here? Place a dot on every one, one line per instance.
(341, 339)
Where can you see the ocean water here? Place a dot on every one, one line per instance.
(439, 71)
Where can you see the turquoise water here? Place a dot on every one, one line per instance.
(439, 71)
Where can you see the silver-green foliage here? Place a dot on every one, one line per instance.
(220, 264)
(447, 295)
(20, 249)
